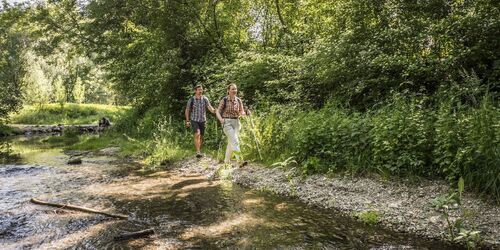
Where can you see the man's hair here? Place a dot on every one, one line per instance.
(197, 86)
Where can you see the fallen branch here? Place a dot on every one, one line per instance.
(77, 208)
(137, 234)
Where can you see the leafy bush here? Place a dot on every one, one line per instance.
(468, 144)
(401, 136)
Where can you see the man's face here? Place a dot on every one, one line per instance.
(233, 90)
(199, 91)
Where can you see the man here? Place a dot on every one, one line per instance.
(229, 112)
(196, 116)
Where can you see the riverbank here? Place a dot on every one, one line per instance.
(68, 113)
(400, 205)
(186, 211)
(20, 129)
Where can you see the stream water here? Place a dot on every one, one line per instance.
(186, 211)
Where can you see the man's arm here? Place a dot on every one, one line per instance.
(186, 113)
(217, 112)
(210, 108)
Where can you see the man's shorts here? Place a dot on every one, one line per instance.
(198, 125)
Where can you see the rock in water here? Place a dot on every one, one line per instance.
(75, 161)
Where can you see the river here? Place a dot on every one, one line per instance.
(186, 211)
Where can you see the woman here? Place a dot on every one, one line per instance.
(229, 112)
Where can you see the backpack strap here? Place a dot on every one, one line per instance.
(205, 100)
(191, 103)
(224, 106)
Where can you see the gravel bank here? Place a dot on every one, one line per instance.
(402, 206)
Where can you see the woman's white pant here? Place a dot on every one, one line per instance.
(232, 129)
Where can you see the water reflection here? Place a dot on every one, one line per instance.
(7, 155)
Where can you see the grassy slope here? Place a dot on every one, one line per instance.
(70, 113)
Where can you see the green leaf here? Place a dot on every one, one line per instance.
(461, 185)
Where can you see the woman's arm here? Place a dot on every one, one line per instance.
(242, 109)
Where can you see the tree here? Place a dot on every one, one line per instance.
(12, 42)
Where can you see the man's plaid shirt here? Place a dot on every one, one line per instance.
(198, 109)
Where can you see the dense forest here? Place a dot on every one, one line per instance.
(400, 88)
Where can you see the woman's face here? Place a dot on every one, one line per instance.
(233, 90)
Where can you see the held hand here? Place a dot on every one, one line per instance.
(188, 124)
(222, 121)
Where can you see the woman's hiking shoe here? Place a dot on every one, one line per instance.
(243, 164)
(199, 155)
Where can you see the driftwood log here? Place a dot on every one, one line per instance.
(77, 208)
(134, 235)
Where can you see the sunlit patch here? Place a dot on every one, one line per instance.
(253, 201)
(240, 221)
(203, 184)
(281, 206)
(183, 195)
(159, 174)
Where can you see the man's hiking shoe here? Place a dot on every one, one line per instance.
(243, 164)
(199, 155)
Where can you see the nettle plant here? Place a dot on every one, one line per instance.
(456, 229)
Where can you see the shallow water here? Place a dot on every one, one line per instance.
(186, 211)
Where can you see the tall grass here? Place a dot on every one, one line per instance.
(406, 136)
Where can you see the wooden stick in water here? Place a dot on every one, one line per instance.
(77, 208)
(137, 234)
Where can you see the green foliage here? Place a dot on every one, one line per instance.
(69, 137)
(68, 114)
(468, 139)
(6, 154)
(12, 43)
(471, 238)
(368, 217)
(401, 136)
(7, 130)
(287, 163)
(166, 145)
(398, 87)
(444, 204)
(96, 143)
(407, 135)
(267, 132)
(330, 140)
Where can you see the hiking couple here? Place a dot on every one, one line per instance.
(228, 113)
